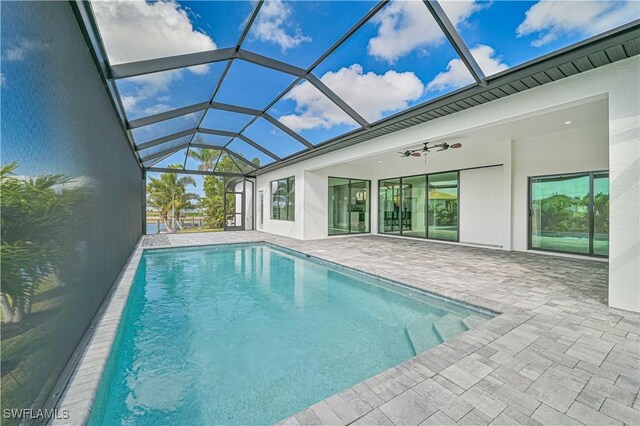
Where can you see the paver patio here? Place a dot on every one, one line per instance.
(555, 355)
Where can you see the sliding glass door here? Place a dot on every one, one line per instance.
(442, 207)
(601, 214)
(570, 213)
(389, 206)
(407, 208)
(414, 190)
(349, 211)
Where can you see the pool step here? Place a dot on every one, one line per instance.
(421, 335)
(449, 326)
(472, 321)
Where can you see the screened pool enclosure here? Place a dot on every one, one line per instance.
(266, 109)
(259, 90)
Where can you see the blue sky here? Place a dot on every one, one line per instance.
(397, 60)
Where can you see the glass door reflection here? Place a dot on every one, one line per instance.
(349, 208)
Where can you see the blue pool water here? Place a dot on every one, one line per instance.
(251, 334)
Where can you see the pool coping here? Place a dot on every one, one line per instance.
(82, 387)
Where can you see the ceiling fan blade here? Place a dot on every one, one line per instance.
(456, 145)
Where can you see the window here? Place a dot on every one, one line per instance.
(283, 199)
(407, 208)
(348, 206)
(570, 213)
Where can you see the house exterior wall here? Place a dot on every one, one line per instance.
(613, 144)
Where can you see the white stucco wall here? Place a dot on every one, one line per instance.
(481, 217)
(573, 150)
(613, 144)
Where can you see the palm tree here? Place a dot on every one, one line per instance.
(169, 195)
(39, 224)
(207, 158)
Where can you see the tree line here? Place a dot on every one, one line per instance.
(170, 193)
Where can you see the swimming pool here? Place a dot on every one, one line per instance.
(250, 334)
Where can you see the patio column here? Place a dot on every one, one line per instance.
(624, 221)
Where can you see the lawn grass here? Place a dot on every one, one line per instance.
(196, 230)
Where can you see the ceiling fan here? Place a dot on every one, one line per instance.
(427, 149)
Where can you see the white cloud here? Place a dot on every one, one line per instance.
(137, 30)
(550, 20)
(18, 51)
(406, 25)
(457, 74)
(271, 26)
(369, 94)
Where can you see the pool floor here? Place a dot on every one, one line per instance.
(250, 334)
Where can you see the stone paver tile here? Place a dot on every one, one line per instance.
(433, 362)
(408, 408)
(475, 417)
(348, 405)
(623, 359)
(326, 415)
(308, 417)
(448, 384)
(602, 387)
(439, 419)
(503, 420)
(517, 399)
(398, 374)
(484, 402)
(564, 359)
(512, 378)
(489, 384)
(548, 416)
(629, 383)
(289, 421)
(602, 373)
(463, 378)
(549, 391)
(536, 365)
(373, 418)
(517, 339)
(629, 324)
(520, 417)
(598, 325)
(591, 398)
(586, 353)
(443, 399)
(620, 412)
(477, 365)
(388, 381)
(367, 395)
(574, 380)
(544, 321)
(589, 416)
(380, 389)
